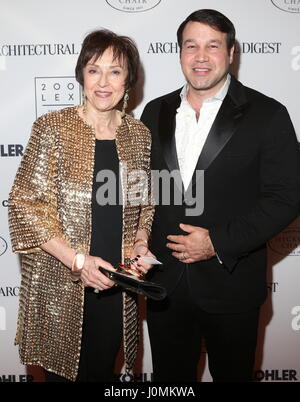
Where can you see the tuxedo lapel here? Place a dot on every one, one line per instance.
(224, 126)
(222, 130)
(167, 124)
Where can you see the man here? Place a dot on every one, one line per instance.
(215, 262)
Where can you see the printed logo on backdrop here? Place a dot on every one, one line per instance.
(243, 47)
(290, 6)
(296, 320)
(272, 287)
(287, 375)
(8, 291)
(3, 246)
(258, 47)
(286, 243)
(141, 377)
(54, 93)
(16, 378)
(4, 203)
(133, 6)
(37, 49)
(296, 59)
(9, 150)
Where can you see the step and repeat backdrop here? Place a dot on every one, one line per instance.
(39, 46)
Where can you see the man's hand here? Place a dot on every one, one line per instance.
(195, 246)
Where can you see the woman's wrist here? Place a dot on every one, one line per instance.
(58, 248)
(78, 260)
(77, 264)
(141, 242)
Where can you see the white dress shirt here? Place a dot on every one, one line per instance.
(190, 134)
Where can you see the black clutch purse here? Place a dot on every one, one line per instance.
(135, 284)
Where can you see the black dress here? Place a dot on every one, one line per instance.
(102, 322)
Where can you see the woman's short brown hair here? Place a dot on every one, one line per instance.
(124, 49)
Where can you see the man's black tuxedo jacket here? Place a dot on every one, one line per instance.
(251, 192)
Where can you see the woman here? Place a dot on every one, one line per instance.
(65, 230)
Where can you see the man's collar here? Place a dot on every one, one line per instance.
(220, 95)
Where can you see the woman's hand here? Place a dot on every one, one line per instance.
(92, 277)
(88, 272)
(139, 251)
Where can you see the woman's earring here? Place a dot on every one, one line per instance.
(125, 101)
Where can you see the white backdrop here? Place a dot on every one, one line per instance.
(39, 46)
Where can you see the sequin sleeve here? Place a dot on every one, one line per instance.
(147, 208)
(32, 202)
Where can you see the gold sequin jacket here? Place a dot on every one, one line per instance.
(51, 196)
